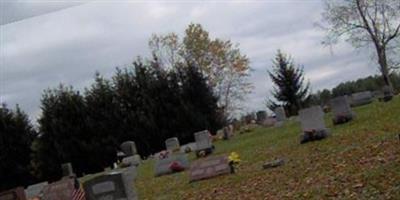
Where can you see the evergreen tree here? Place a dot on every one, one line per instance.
(290, 88)
(103, 122)
(64, 133)
(16, 135)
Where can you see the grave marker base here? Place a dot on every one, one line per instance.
(314, 135)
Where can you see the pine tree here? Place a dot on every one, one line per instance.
(290, 89)
(16, 135)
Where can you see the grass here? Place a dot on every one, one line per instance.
(361, 160)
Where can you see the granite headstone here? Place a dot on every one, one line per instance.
(361, 98)
(341, 110)
(203, 142)
(172, 144)
(128, 148)
(115, 185)
(312, 124)
(209, 167)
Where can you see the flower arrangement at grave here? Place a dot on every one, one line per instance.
(176, 166)
(163, 154)
(234, 160)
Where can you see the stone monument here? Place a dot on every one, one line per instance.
(172, 144)
(312, 124)
(341, 110)
(203, 143)
(112, 185)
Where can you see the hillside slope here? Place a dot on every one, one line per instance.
(361, 160)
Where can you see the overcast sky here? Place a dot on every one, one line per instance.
(71, 43)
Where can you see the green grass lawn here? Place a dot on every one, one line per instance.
(361, 160)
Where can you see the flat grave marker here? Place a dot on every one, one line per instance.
(164, 166)
(35, 190)
(209, 167)
(13, 194)
(60, 190)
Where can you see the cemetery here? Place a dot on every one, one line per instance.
(270, 157)
(195, 114)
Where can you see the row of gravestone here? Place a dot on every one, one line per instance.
(117, 184)
(173, 160)
(356, 99)
(202, 168)
(312, 118)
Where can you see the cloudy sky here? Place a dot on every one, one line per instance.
(44, 43)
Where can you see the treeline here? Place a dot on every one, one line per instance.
(143, 103)
(371, 83)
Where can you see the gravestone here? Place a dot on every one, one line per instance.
(115, 185)
(280, 116)
(341, 110)
(280, 113)
(387, 93)
(128, 148)
(189, 147)
(312, 124)
(226, 133)
(134, 160)
(35, 190)
(60, 190)
(13, 194)
(209, 167)
(270, 121)
(165, 166)
(67, 170)
(172, 144)
(361, 98)
(261, 116)
(203, 142)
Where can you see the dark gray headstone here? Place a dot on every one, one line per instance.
(226, 133)
(361, 98)
(203, 142)
(280, 114)
(172, 144)
(209, 167)
(134, 160)
(387, 93)
(67, 170)
(312, 124)
(261, 116)
(129, 148)
(60, 190)
(13, 194)
(341, 110)
(35, 190)
(115, 185)
(163, 166)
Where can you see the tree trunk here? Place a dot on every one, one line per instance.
(384, 67)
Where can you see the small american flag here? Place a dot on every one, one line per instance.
(78, 193)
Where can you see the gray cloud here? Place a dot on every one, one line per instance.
(69, 45)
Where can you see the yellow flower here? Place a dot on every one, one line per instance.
(234, 157)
